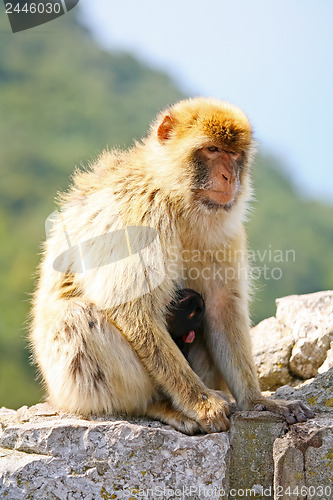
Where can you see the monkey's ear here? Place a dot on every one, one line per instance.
(163, 131)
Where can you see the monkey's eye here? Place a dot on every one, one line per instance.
(212, 149)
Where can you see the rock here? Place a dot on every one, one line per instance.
(310, 318)
(295, 344)
(328, 361)
(303, 461)
(252, 436)
(44, 455)
(318, 394)
(272, 349)
(49, 456)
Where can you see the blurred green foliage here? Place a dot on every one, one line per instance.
(290, 227)
(62, 100)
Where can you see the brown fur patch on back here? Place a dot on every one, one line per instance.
(67, 287)
(76, 364)
(98, 377)
(82, 365)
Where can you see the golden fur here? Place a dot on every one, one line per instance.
(96, 356)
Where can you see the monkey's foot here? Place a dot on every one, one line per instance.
(164, 412)
(292, 411)
(213, 412)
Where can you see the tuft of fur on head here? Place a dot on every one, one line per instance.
(200, 119)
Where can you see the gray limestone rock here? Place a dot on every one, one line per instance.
(317, 393)
(48, 455)
(296, 344)
(45, 455)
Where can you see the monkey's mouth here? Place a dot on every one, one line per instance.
(218, 197)
(189, 337)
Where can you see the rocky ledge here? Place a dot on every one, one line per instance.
(48, 455)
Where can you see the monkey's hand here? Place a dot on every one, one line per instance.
(212, 412)
(292, 411)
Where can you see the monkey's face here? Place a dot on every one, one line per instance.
(207, 145)
(217, 175)
(184, 314)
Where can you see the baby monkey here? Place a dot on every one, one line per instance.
(184, 316)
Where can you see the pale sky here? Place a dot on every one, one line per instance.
(272, 58)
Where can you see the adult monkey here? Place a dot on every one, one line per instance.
(190, 180)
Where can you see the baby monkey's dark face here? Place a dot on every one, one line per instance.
(184, 315)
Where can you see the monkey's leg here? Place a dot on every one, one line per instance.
(87, 364)
(163, 411)
(204, 366)
(228, 340)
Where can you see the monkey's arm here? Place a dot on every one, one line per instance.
(168, 368)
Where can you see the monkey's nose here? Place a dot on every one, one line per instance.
(228, 176)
